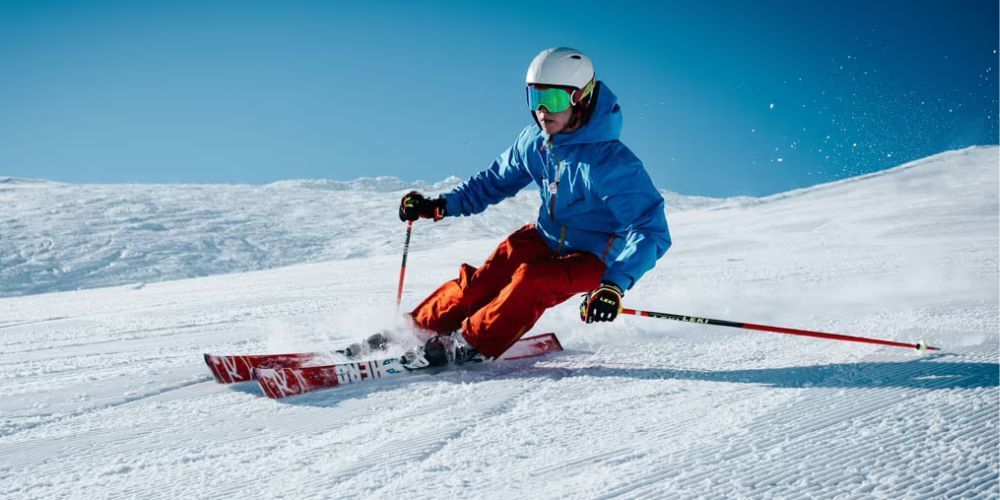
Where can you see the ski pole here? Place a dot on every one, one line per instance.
(920, 346)
(402, 269)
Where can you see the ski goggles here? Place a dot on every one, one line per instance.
(555, 99)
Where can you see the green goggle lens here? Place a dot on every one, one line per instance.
(555, 100)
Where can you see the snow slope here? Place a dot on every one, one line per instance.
(107, 396)
(59, 237)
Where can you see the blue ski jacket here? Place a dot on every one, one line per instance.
(596, 195)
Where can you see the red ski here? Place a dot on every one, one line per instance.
(231, 369)
(237, 368)
(289, 381)
(530, 347)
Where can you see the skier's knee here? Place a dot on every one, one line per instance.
(533, 274)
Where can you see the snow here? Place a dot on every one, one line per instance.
(107, 395)
(60, 237)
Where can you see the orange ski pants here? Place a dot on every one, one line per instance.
(497, 303)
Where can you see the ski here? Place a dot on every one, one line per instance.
(289, 381)
(229, 369)
(530, 347)
(239, 368)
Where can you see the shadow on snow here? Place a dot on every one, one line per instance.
(928, 373)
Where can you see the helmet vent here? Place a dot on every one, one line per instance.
(574, 56)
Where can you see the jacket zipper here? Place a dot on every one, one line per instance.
(553, 191)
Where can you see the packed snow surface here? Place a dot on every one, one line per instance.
(106, 395)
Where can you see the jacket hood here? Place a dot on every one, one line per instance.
(605, 123)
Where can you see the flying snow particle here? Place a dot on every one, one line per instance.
(770, 106)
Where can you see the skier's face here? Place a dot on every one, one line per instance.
(554, 123)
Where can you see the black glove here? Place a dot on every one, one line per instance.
(414, 206)
(602, 304)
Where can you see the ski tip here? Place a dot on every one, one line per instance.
(533, 346)
(210, 361)
(558, 346)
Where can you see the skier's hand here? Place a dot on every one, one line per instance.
(602, 304)
(414, 206)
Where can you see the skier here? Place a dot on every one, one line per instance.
(600, 227)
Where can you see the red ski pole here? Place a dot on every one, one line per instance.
(402, 269)
(920, 346)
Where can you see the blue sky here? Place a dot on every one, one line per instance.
(720, 97)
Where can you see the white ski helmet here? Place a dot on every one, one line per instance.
(564, 67)
(561, 66)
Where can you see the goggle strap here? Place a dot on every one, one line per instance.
(580, 94)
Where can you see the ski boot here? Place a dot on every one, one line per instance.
(441, 350)
(461, 352)
(429, 355)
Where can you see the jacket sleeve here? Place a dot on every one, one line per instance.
(639, 208)
(504, 178)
